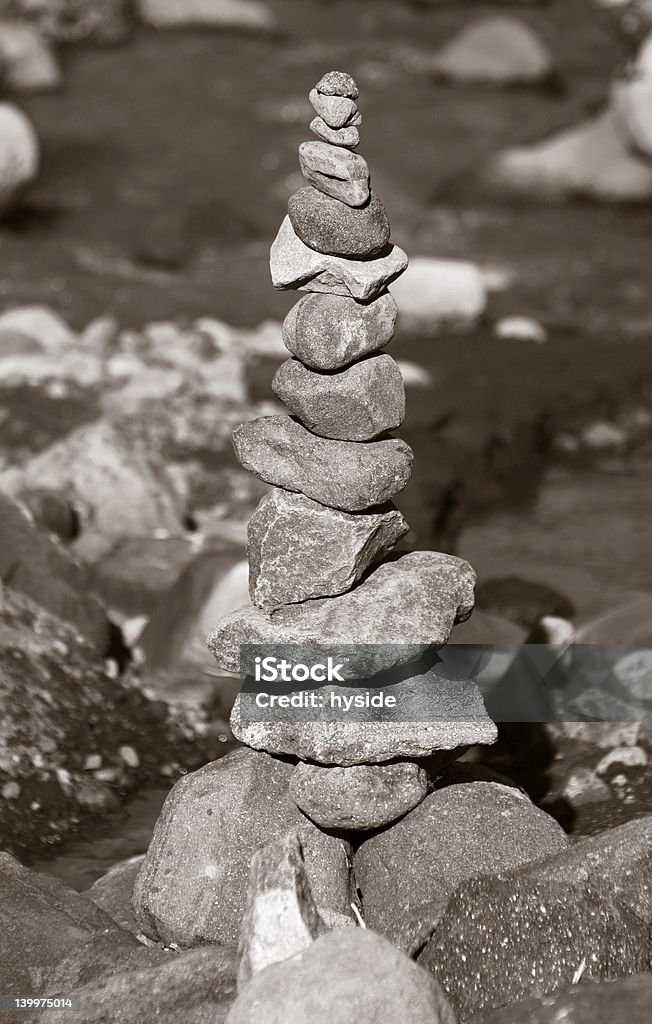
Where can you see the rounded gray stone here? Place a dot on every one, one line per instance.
(341, 474)
(355, 404)
(337, 111)
(359, 797)
(328, 332)
(300, 550)
(338, 83)
(330, 226)
(349, 137)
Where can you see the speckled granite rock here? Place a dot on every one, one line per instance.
(337, 111)
(456, 833)
(281, 918)
(502, 940)
(299, 549)
(360, 797)
(346, 977)
(404, 606)
(341, 474)
(332, 227)
(295, 265)
(335, 171)
(328, 332)
(355, 404)
(192, 887)
(349, 137)
(338, 83)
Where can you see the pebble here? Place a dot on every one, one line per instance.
(340, 474)
(130, 756)
(328, 332)
(10, 791)
(336, 111)
(349, 976)
(413, 600)
(335, 171)
(359, 797)
(520, 328)
(355, 404)
(349, 137)
(333, 227)
(295, 265)
(338, 83)
(299, 549)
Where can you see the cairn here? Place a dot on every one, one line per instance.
(318, 543)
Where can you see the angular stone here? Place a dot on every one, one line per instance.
(503, 940)
(404, 606)
(338, 83)
(446, 713)
(281, 918)
(299, 549)
(337, 111)
(349, 136)
(340, 474)
(360, 797)
(351, 976)
(356, 404)
(328, 332)
(626, 1001)
(293, 264)
(459, 832)
(337, 229)
(335, 171)
(192, 887)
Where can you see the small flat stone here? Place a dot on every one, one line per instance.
(446, 714)
(328, 332)
(338, 83)
(349, 136)
(337, 111)
(299, 549)
(335, 171)
(293, 264)
(340, 474)
(356, 404)
(360, 797)
(413, 601)
(335, 228)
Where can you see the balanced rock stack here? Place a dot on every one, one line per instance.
(322, 577)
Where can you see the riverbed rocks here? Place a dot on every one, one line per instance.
(496, 50)
(27, 62)
(330, 226)
(299, 549)
(355, 404)
(19, 156)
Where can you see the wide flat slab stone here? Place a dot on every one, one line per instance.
(340, 474)
(293, 264)
(299, 549)
(355, 404)
(403, 607)
(328, 332)
(360, 797)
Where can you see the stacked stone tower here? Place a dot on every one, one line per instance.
(318, 543)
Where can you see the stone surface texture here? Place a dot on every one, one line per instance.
(295, 265)
(281, 918)
(337, 111)
(360, 797)
(340, 474)
(192, 887)
(337, 229)
(355, 404)
(335, 171)
(350, 977)
(338, 83)
(329, 332)
(458, 832)
(349, 137)
(411, 602)
(626, 1001)
(299, 549)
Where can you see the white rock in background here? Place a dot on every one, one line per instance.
(589, 160)
(498, 50)
(434, 292)
(19, 155)
(414, 376)
(520, 328)
(234, 14)
(603, 434)
(633, 108)
(40, 324)
(27, 61)
(643, 63)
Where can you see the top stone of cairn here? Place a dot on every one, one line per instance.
(338, 83)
